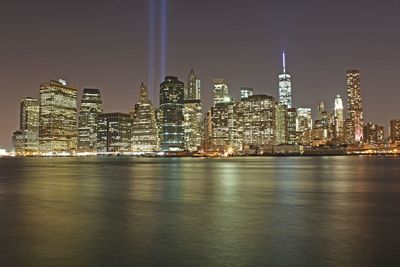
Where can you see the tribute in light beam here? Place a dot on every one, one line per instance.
(163, 48)
(151, 59)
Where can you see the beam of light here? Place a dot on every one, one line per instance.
(151, 49)
(163, 45)
(284, 61)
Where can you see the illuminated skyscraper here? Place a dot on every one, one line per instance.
(348, 131)
(193, 114)
(321, 111)
(291, 125)
(321, 125)
(285, 86)
(304, 125)
(144, 124)
(245, 92)
(220, 92)
(259, 123)
(91, 107)
(192, 89)
(18, 143)
(29, 124)
(339, 117)
(114, 132)
(223, 126)
(373, 134)
(172, 136)
(355, 105)
(58, 117)
(193, 124)
(395, 131)
(207, 136)
(281, 119)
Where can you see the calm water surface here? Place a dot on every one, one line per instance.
(293, 211)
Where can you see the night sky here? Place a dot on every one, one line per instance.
(104, 44)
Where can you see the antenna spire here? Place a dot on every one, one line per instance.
(284, 61)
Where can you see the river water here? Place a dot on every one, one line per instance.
(120, 211)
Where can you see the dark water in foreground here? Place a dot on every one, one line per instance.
(302, 211)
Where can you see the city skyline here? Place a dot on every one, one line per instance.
(21, 74)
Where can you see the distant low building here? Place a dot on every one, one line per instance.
(373, 133)
(18, 143)
(395, 131)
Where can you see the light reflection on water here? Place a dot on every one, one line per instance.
(234, 211)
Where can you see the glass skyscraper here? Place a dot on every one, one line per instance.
(114, 132)
(29, 125)
(285, 85)
(91, 107)
(171, 114)
(193, 114)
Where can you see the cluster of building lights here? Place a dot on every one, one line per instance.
(256, 125)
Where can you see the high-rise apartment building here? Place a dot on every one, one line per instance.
(144, 124)
(355, 105)
(285, 85)
(172, 136)
(57, 117)
(91, 107)
(29, 125)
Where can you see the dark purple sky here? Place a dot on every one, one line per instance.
(104, 44)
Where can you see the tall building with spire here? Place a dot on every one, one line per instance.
(193, 114)
(144, 124)
(91, 107)
(192, 89)
(339, 117)
(285, 85)
(355, 106)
